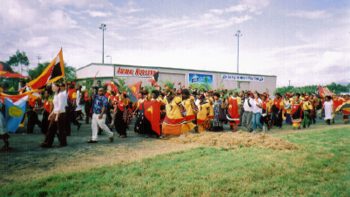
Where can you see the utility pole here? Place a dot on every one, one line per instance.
(39, 58)
(103, 27)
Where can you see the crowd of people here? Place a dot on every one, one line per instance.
(180, 110)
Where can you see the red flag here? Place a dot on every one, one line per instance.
(152, 114)
(153, 82)
(53, 72)
(113, 87)
(11, 75)
(15, 98)
(324, 91)
(6, 72)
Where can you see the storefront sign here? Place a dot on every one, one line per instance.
(134, 72)
(237, 77)
(194, 78)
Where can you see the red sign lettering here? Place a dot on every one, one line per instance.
(139, 72)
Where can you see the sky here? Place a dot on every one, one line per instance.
(303, 42)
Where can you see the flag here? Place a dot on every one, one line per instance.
(324, 91)
(112, 86)
(6, 72)
(14, 113)
(53, 72)
(345, 107)
(133, 91)
(152, 114)
(17, 97)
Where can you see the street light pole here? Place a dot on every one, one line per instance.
(110, 60)
(238, 34)
(103, 28)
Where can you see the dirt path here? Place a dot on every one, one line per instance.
(28, 160)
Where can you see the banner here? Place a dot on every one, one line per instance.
(238, 77)
(53, 72)
(200, 78)
(14, 113)
(134, 72)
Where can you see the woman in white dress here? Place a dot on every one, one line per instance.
(328, 109)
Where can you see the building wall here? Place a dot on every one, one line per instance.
(106, 72)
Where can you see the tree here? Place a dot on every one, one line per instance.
(35, 72)
(18, 59)
(334, 87)
(70, 73)
(5, 67)
(121, 84)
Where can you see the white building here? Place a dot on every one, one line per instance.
(216, 80)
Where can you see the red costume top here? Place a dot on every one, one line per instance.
(233, 109)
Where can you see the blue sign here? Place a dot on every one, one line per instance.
(200, 78)
(238, 77)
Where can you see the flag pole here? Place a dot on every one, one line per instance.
(64, 70)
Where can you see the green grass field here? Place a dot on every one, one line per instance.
(320, 167)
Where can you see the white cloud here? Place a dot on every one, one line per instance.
(137, 35)
(16, 13)
(35, 42)
(95, 13)
(244, 6)
(129, 8)
(315, 14)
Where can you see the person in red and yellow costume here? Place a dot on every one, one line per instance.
(233, 115)
(277, 109)
(203, 116)
(265, 105)
(287, 108)
(307, 107)
(191, 111)
(120, 115)
(296, 111)
(174, 119)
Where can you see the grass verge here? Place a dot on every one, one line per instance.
(320, 167)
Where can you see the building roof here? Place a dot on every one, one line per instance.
(171, 68)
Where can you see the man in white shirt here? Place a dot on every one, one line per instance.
(63, 97)
(247, 114)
